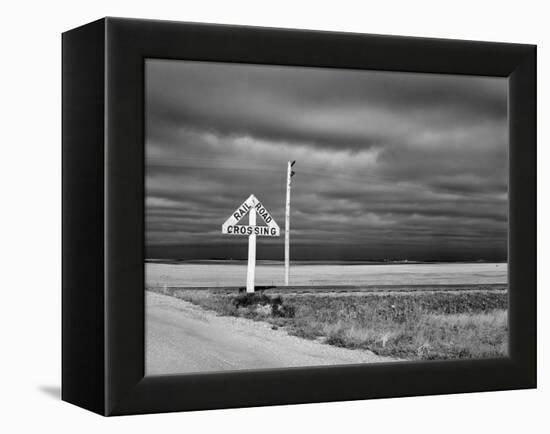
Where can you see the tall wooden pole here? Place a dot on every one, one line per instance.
(251, 271)
(287, 223)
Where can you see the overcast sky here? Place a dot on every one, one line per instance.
(389, 165)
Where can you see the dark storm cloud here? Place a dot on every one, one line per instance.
(389, 164)
(333, 106)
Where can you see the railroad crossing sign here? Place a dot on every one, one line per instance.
(252, 203)
(251, 206)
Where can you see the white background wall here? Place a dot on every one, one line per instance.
(30, 165)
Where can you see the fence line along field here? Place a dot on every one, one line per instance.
(445, 311)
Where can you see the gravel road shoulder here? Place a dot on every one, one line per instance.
(184, 338)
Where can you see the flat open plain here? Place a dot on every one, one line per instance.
(233, 274)
(333, 314)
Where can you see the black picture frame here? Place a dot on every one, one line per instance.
(103, 221)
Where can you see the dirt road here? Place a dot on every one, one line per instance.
(183, 338)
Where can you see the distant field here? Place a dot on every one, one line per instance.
(428, 323)
(220, 274)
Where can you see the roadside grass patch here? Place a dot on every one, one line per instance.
(264, 304)
(429, 326)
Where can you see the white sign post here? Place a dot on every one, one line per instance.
(253, 207)
(251, 270)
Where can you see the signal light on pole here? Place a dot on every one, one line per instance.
(289, 174)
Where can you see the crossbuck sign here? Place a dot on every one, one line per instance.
(251, 206)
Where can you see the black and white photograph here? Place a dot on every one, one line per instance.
(275, 217)
(299, 216)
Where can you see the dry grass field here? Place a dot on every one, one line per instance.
(423, 323)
